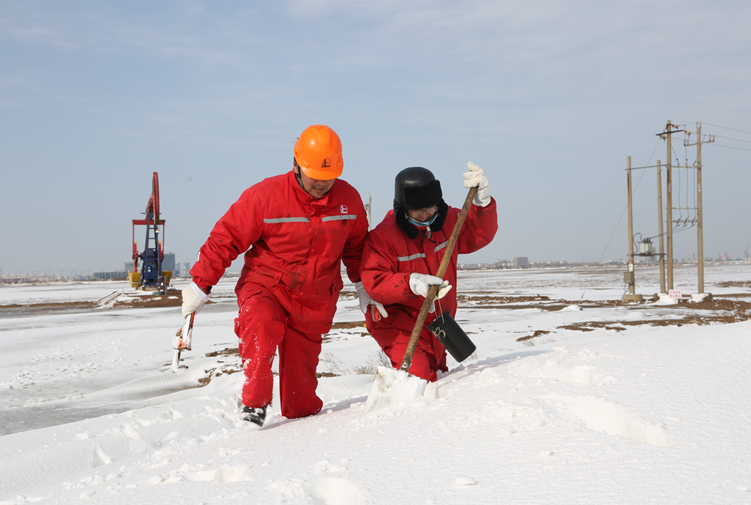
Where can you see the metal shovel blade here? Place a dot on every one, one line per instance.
(392, 388)
(176, 366)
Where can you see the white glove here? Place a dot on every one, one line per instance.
(193, 299)
(420, 284)
(365, 300)
(476, 177)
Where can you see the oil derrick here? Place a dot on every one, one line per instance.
(150, 277)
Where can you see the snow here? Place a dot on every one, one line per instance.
(624, 413)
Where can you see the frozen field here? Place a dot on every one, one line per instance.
(569, 399)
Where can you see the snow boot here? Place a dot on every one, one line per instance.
(255, 415)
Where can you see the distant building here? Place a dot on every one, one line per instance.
(25, 278)
(521, 262)
(168, 263)
(110, 275)
(182, 270)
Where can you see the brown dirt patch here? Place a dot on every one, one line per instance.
(537, 333)
(485, 299)
(325, 374)
(216, 372)
(716, 311)
(719, 304)
(609, 325)
(697, 319)
(527, 302)
(223, 368)
(229, 351)
(44, 307)
(173, 298)
(734, 284)
(230, 369)
(349, 325)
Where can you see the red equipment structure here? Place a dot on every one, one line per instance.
(151, 276)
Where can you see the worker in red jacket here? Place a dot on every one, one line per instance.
(295, 230)
(403, 252)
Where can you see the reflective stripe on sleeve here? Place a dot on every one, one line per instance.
(441, 246)
(339, 218)
(287, 220)
(410, 258)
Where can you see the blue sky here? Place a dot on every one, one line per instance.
(549, 97)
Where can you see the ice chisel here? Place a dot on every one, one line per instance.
(183, 341)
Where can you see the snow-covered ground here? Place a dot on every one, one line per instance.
(627, 411)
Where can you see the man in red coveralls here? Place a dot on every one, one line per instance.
(404, 250)
(295, 229)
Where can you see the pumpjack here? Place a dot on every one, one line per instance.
(151, 276)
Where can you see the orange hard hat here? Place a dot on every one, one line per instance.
(318, 152)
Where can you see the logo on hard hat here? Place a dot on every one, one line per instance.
(344, 209)
(326, 163)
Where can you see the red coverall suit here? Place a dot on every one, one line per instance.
(290, 283)
(388, 260)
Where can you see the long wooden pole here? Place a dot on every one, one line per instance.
(669, 222)
(632, 284)
(699, 212)
(660, 231)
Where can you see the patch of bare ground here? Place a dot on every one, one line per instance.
(720, 304)
(713, 312)
(173, 298)
(716, 311)
(229, 351)
(222, 368)
(229, 368)
(537, 333)
(348, 325)
(526, 302)
(495, 299)
(44, 307)
(217, 372)
(325, 374)
(734, 284)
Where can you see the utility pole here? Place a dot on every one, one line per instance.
(631, 286)
(699, 209)
(630, 276)
(670, 206)
(660, 231)
(699, 212)
(667, 134)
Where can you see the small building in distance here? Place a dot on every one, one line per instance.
(111, 276)
(182, 270)
(521, 262)
(168, 263)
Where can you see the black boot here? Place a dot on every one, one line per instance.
(255, 415)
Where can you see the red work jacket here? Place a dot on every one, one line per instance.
(297, 244)
(390, 256)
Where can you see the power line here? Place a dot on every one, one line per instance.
(640, 178)
(726, 128)
(728, 138)
(729, 147)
